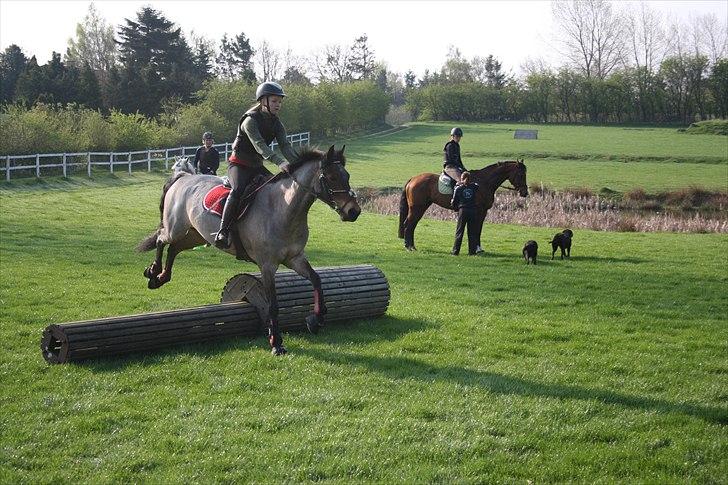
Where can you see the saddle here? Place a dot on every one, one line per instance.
(445, 184)
(214, 200)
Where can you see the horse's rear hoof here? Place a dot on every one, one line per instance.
(154, 283)
(312, 324)
(278, 350)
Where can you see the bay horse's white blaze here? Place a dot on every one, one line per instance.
(273, 232)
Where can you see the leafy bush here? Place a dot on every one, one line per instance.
(708, 127)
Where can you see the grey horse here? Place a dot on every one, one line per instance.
(274, 230)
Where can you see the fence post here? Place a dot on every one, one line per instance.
(88, 164)
(7, 168)
(128, 159)
(111, 162)
(65, 172)
(166, 159)
(37, 165)
(226, 150)
(149, 160)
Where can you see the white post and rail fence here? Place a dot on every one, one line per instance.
(66, 164)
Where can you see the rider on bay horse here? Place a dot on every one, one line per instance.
(257, 128)
(453, 164)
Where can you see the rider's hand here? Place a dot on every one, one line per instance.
(286, 167)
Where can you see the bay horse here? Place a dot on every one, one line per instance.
(421, 191)
(274, 230)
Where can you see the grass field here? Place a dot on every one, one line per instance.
(609, 367)
(564, 156)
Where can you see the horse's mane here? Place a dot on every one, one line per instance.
(490, 168)
(309, 154)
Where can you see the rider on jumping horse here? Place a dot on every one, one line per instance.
(257, 128)
(453, 164)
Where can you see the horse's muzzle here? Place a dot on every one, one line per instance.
(523, 192)
(350, 212)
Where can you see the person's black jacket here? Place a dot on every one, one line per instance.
(452, 155)
(464, 196)
(207, 162)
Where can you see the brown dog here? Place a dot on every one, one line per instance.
(562, 241)
(530, 251)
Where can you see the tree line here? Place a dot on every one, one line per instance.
(621, 67)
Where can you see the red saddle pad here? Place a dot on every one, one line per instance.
(215, 199)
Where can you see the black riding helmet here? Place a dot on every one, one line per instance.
(207, 135)
(456, 132)
(269, 88)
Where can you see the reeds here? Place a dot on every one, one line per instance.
(550, 208)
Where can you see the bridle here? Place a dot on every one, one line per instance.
(325, 190)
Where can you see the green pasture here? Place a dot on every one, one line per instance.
(564, 156)
(609, 367)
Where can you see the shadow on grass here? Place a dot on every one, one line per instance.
(407, 369)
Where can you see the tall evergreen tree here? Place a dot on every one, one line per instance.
(157, 63)
(234, 60)
(12, 65)
(361, 59)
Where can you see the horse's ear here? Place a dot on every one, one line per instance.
(330, 153)
(342, 149)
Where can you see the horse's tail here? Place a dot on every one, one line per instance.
(403, 210)
(150, 242)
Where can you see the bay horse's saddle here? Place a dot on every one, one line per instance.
(445, 184)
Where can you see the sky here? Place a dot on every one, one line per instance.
(406, 35)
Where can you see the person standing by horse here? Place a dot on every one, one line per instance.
(207, 158)
(463, 201)
(453, 164)
(257, 128)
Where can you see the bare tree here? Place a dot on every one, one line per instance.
(646, 38)
(269, 61)
(332, 63)
(94, 43)
(592, 35)
(714, 36)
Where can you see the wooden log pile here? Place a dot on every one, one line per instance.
(351, 292)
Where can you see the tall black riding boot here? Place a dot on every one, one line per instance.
(229, 213)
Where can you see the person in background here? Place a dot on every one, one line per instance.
(453, 164)
(257, 128)
(207, 158)
(463, 201)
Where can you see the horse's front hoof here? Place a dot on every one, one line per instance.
(278, 350)
(154, 283)
(149, 272)
(410, 248)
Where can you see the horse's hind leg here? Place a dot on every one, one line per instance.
(173, 250)
(415, 214)
(300, 265)
(155, 268)
(268, 275)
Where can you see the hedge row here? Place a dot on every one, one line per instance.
(325, 109)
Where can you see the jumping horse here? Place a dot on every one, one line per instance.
(421, 191)
(274, 230)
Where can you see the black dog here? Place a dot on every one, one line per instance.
(562, 241)
(530, 251)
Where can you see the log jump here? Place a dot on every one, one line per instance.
(351, 292)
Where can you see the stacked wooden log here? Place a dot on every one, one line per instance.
(351, 292)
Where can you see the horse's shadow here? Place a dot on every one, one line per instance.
(403, 368)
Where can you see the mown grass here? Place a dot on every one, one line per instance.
(609, 367)
(617, 158)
